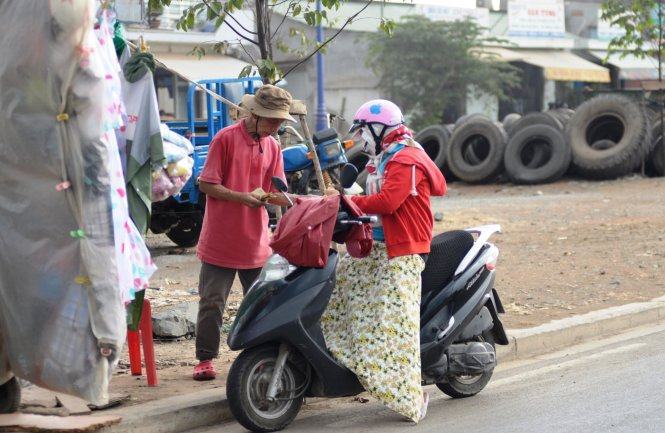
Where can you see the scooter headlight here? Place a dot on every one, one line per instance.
(276, 268)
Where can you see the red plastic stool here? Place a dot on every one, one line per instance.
(143, 337)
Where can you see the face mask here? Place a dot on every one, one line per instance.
(370, 142)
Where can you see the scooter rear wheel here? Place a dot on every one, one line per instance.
(467, 386)
(10, 396)
(247, 385)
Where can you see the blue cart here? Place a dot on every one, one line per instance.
(181, 217)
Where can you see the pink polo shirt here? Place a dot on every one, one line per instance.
(234, 235)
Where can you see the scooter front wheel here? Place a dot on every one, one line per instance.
(247, 385)
(10, 396)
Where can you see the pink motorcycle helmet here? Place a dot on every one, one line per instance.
(376, 116)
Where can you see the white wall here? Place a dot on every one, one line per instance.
(480, 102)
(549, 93)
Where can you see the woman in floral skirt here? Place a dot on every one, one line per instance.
(372, 323)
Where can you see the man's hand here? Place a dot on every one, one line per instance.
(220, 192)
(331, 191)
(250, 200)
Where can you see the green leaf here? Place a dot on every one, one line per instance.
(296, 10)
(220, 20)
(245, 71)
(282, 46)
(310, 17)
(387, 26)
(197, 51)
(220, 47)
(190, 20)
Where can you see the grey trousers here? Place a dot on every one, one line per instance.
(214, 286)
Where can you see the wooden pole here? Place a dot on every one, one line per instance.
(312, 150)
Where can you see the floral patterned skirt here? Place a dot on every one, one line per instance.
(372, 326)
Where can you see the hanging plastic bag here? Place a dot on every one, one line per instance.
(173, 153)
(177, 139)
(162, 186)
(181, 168)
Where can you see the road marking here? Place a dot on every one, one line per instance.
(565, 364)
(631, 334)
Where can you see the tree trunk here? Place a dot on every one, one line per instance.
(263, 30)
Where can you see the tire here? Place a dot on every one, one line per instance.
(537, 154)
(656, 160)
(488, 142)
(10, 396)
(247, 379)
(535, 118)
(466, 118)
(185, 233)
(308, 184)
(434, 139)
(463, 387)
(609, 117)
(603, 145)
(563, 115)
(510, 120)
(471, 156)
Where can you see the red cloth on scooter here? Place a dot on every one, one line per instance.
(304, 233)
(358, 239)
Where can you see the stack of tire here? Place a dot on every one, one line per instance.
(610, 135)
(475, 150)
(606, 137)
(537, 151)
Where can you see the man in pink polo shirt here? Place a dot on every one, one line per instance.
(234, 238)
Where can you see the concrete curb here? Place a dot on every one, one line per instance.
(173, 414)
(558, 334)
(205, 408)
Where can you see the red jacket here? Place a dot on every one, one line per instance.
(407, 219)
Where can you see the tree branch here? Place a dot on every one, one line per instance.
(280, 3)
(283, 19)
(348, 21)
(241, 26)
(248, 54)
(229, 24)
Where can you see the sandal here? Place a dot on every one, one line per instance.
(204, 371)
(423, 410)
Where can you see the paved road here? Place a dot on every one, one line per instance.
(613, 385)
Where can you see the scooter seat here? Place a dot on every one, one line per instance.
(447, 252)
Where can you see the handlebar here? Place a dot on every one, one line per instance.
(367, 219)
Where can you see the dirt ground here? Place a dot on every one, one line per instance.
(566, 248)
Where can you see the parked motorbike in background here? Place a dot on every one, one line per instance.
(298, 164)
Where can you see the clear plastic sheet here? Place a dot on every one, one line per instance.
(61, 304)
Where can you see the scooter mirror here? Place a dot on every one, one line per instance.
(348, 175)
(279, 184)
